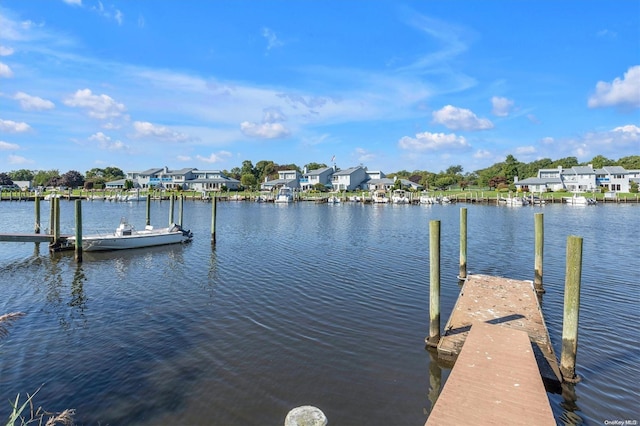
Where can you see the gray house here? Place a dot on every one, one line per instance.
(349, 179)
(319, 176)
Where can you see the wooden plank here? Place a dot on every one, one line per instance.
(505, 302)
(495, 380)
(30, 238)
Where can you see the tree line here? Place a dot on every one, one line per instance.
(499, 175)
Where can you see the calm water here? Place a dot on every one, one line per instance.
(297, 304)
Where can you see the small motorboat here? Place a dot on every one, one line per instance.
(127, 237)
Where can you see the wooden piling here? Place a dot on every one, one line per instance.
(148, 221)
(463, 244)
(37, 207)
(434, 283)
(56, 226)
(52, 217)
(171, 203)
(214, 201)
(539, 251)
(78, 247)
(571, 309)
(180, 209)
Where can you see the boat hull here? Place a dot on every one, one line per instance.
(131, 242)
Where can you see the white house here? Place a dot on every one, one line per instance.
(580, 179)
(319, 176)
(290, 178)
(349, 179)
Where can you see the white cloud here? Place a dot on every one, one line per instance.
(525, 150)
(264, 130)
(547, 140)
(272, 39)
(105, 142)
(73, 2)
(620, 92)
(215, 157)
(32, 103)
(482, 153)
(144, 129)
(456, 118)
(501, 106)
(183, 158)
(16, 159)
(630, 132)
(532, 118)
(6, 146)
(364, 156)
(13, 126)
(6, 51)
(427, 141)
(98, 106)
(5, 71)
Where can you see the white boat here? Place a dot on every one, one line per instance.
(126, 237)
(579, 200)
(399, 196)
(285, 195)
(380, 196)
(427, 198)
(333, 199)
(514, 201)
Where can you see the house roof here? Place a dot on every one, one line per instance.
(612, 170)
(580, 170)
(317, 171)
(348, 171)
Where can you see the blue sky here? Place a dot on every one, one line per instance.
(390, 85)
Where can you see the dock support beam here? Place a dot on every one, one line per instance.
(214, 201)
(171, 204)
(180, 209)
(78, 248)
(571, 309)
(37, 206)
(56, 225)
(463, 244)
(539, 251)
(434, 283)
(148, 222)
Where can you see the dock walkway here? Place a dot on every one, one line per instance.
(508, 303)
(495, 381)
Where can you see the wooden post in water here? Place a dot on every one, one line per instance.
(463, 244)
(180, 209)
(571, 309)
(171, 203)
(37, 225)
(56, 225)
(434, 283)
(214, 201)
(52, 218)
(539, 251)
(78, 248)
(148, 221)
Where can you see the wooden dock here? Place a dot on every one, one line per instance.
(507, 303)
(495, 382)
(30, 238)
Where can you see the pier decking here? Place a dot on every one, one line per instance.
(495, 381)
(505, 302)
(30, 238)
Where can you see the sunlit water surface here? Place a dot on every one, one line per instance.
(298, 304)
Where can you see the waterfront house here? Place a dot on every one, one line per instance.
(187, 178)
(289, 178)
(349, 179)
(580, 179)
(319, 176)
(210, 180)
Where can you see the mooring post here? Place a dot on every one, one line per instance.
(434, 283)
(37, 204)
(463, 244)
(56, 226)
(171, 203)
(571, 309)
(180, 208)
(78, 248)
(539, 251)
(52, 209)
(214, 201)
(148, 221)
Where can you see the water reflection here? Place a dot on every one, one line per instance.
(435, 379)
(569, 406)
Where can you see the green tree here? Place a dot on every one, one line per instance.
(248, 180)
(454, 170)
(510, 168)
(314, 166)
(43, 177)
(128, 184)
(22, 174)
(599, 161)
(247, 168)
(631, 162)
